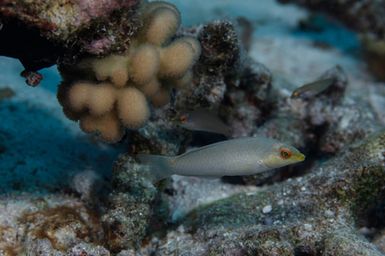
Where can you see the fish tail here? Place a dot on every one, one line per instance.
(160, 166)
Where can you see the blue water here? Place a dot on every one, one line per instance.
(40, 150)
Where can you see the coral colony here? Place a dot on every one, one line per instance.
(112, 94)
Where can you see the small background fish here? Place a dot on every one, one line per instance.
(204, 120)
(312, 89)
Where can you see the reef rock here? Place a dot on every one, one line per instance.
(60, 31)
(320, 212)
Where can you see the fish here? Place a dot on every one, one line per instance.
(204, 120)
(246, 35)
(312, 89)
(235, 157)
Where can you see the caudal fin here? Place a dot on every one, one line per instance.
(159, 165)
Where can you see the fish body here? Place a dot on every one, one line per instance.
(204, 120)
(242, 156)
(312, 89)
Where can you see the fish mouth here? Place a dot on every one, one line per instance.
(299, 157)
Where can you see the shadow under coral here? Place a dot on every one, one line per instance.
(39, 152)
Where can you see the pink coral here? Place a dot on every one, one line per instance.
(98, 8)
(99, 46)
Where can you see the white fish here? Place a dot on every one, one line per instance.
(242, 156)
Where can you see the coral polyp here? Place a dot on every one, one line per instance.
(107, 95)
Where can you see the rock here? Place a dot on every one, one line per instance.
(364, 16)
(46, 225)
(130, 206)
(65, 30)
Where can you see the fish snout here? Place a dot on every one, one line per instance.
(299, 157)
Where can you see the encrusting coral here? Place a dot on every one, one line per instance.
(61, 31)
(115, 95)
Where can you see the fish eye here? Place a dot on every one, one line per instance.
(285, 153)
(183, 119)
(295, 94)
